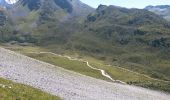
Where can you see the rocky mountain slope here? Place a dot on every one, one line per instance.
(66, 84)
(162, 10)
(126, 26)
(30, 16)
(69, 8)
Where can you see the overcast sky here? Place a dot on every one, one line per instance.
(127, 3)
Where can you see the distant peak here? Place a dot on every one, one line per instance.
(158, 6)
(101, 7)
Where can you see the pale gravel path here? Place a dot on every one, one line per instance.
(67, 84)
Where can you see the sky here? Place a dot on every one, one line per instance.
(127, 3)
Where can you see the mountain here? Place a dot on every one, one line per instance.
(162, 10)
(126, 26)
(136, 39)
(70, 7)
(46, 16)
(43, 10)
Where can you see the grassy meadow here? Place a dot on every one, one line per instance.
(15, 91)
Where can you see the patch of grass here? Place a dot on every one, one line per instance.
(22, 92)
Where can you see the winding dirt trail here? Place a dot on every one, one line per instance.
(67, 84)
(103, 72)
